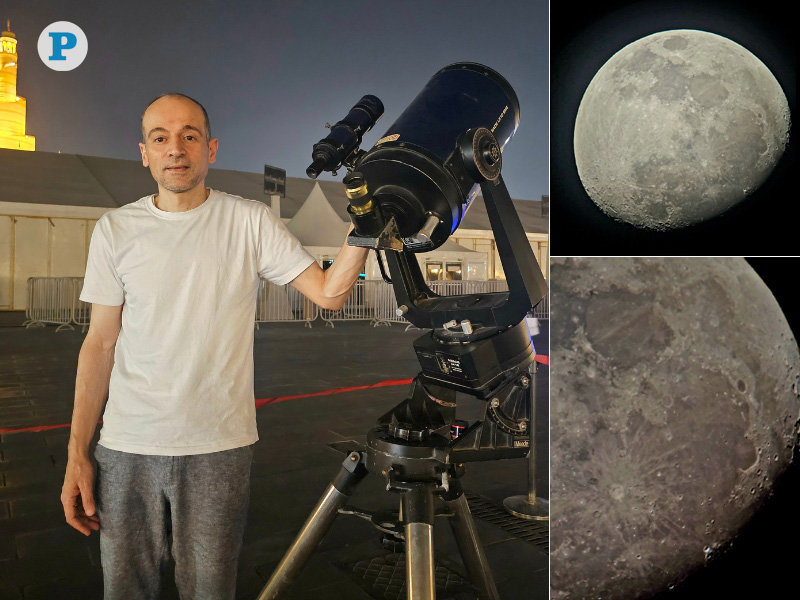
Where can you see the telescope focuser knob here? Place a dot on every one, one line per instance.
(481, 154)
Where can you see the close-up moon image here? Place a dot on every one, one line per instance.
(677, 128)
(675, 407)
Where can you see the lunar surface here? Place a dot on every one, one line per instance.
(677, 128)
(674, 407)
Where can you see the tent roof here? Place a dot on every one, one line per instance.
(451, 246)
(316, 223)
(77, 180)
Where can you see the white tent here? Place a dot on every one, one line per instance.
(316, 224)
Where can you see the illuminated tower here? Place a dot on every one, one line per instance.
(12, 107)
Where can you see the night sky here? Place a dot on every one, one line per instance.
(271, 74)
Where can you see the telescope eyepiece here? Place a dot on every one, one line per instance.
(355, 187)
(317, 167)
(364, 212)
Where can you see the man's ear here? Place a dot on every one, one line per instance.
(145, 162)
(212, 150)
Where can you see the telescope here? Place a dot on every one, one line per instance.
(408, 194)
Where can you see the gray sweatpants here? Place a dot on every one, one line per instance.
(202, 499)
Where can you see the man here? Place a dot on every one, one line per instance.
(173, 281)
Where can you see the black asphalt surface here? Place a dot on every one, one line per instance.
(43, 557)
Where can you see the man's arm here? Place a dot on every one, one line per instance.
(330, 289)
(91, 387)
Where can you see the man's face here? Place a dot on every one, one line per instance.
(175, 145)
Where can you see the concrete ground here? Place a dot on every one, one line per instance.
(42, 557)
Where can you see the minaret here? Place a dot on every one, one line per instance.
(12, 107)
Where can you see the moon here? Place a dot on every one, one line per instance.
(674, 407)
(677, 128)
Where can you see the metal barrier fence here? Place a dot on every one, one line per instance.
(50, 300)
(371, 301)
(56, 300)
(375, 300)
(278, 303)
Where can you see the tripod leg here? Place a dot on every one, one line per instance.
(530, 506)
(315, 527)
(468, 543)
(417, 508)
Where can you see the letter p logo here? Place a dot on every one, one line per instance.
(62, 46)
(62, 40)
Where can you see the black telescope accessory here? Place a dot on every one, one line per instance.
(340, 147)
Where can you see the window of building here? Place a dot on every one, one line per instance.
(453, 271)
(433, 271)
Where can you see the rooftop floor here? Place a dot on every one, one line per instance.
(43, 557)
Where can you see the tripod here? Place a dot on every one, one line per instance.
(417, 509)
(417, 470)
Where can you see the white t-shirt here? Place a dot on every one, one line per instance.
(182, 381)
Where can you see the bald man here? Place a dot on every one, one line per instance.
(173, 280)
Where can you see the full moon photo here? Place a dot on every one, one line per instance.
(677, 128)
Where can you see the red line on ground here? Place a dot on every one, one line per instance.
(263, 401)
(540, 358)
(35, 428)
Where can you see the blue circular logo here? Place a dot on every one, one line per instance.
(62, 46)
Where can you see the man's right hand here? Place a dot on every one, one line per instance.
(77, 495)
(95, 362)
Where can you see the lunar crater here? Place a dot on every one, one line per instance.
(675, 42)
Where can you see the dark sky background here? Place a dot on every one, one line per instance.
(271, 74)
(581, 42)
